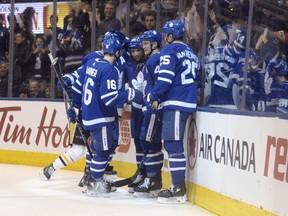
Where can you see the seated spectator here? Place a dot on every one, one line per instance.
(23, 92)
(4, 66)
(110, 22)
(35, 89)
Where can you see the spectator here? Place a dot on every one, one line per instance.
(41, 59)
(71, 45)
(35, 89)
(150, 20)
(4, 39)
(4, 78)
(23, 66)
(59, 35)
(23, 92)
(110, 22)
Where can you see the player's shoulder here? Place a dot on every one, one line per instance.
(92, 55)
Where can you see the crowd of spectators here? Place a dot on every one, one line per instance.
(226, 18)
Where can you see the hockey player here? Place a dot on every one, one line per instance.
(97, 93)
(176, 87)
(77, 149)
(135, 78)
(220, 66)
(151, 126)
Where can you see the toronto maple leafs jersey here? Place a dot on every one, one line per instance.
(135, 78)
(73, 76)
(277, 99)
(176, 84)
(220, 68)
(151, 72)
(98, 92)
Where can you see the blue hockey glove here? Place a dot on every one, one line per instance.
(71, 114)
(151, 103)
(67, 83)
(135, 95)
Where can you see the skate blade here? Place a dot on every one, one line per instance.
(97, 194)
(43, 177)
(151, 194)
(110, 177)
(172, 200)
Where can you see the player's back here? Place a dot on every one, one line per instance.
(151, 71)
(177, 80)
(95, 84)
(219, 66)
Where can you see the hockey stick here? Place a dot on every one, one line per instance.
(123, 182)
(65, 94)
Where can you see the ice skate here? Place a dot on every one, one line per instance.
(110, 181)
(150, 187)
(134, 184)
(47, 172)
(98, 187)
(110, 173)
(174, 194)
(84, 180)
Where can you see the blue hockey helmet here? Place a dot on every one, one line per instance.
(174, 27)
(152, 35)
(123, 39)
(111, 43)
(135, 43)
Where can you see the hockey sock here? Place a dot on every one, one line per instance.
(72, 155)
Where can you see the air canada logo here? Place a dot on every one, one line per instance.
(125, 132)
(192, 144)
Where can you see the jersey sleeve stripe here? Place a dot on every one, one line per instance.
(111, 100)
(98, 121)
(76, 90)
(165, 80)
(109, 94)
(179, 103)
(167, 72)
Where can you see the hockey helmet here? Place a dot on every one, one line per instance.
(174, 27)
(135, 43)
(152, 35)
(111, 43)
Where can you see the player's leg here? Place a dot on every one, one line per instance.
(136, 123)
(73, 154)
(104, 145)
(174, 123)
(152, 184)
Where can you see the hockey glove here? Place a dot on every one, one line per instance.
(71, 114)
(151, 103)
(135, 95)
(67, 83)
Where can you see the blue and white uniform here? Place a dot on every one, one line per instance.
(177, 89)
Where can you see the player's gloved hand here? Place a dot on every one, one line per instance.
(135, 95)
(67, 83)
(151, 103)
(71, 114)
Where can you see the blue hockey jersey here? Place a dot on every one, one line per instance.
(98, 93)
(222, 66)
(135, 77)
(151, 72)
(176, 84)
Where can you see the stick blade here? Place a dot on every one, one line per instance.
(127, 181)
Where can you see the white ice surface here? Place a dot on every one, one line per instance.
(22, 193)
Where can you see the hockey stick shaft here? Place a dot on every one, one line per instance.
(123, 182)
(60, 78)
